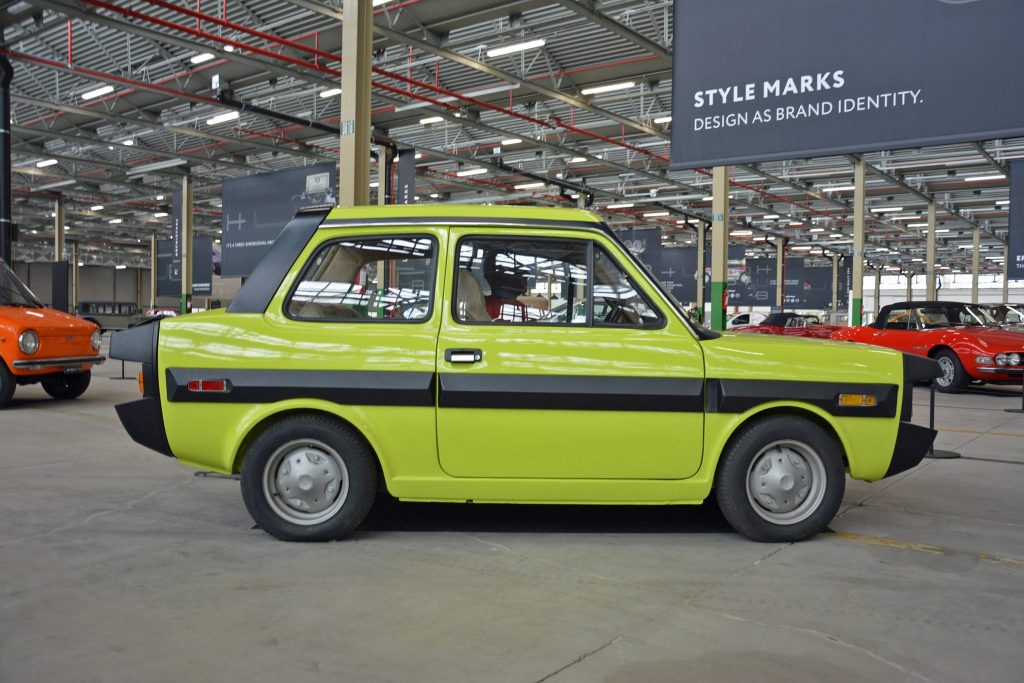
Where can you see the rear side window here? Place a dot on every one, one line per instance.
(367, 279)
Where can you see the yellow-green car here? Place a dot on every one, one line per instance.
(505, 355)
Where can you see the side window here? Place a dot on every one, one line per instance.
(516, 281)
(372, 278)
(617, 301)
(898, 319)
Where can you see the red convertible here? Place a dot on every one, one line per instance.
(791, 325)
(961, 337)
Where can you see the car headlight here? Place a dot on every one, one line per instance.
(96, 339)
(28, 342)
(1008, 359)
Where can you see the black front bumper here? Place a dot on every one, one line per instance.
(912, 444)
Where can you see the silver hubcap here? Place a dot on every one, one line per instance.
(305, 482)
(786, 482)
(946, 365)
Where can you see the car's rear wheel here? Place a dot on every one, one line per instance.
(953, 377)
(781, 480)
(6, 385)
(67, 387)
(308, 478)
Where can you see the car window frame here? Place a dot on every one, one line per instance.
(331, 241)
(590, 323)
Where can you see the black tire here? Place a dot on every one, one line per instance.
(306, 454)
(67, 387)
(792, 449)
(953, 378)
(7, 385)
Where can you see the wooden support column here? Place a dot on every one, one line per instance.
(835, 285)
(354, 152)
(152, 270)
(73, 304)
(780, 272)
(878, 290)
(1006, 273)
(975, 265)
(58, 229)
(857, 274)
(699, 275)
(930, 291)
(719, 244)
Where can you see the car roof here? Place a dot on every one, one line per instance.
(926, 304)
(462, 214)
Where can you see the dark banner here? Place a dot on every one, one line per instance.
(406, 191)
(746, 88)
(168, 268)
(1015, 238)
(676, 267)
(256, 208)
(805, 287)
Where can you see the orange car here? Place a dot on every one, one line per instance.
(38, 344)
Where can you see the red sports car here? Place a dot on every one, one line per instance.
(791, 325)
(961, 337)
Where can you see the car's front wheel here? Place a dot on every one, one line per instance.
(67, 387)
(953, 377)
(308, 478)
(781, 480)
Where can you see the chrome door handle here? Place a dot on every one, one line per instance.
(463, 355)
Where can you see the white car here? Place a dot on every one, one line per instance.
(749, 318)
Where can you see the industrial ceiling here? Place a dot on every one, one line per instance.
(113, 101)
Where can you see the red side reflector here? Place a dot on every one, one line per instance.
(219, 386)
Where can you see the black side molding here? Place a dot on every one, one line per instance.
(740, 395)
(260, 287)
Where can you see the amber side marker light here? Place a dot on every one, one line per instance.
(142, 384)
(858, 400)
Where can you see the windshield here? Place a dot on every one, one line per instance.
(13, 292)
(968, 315)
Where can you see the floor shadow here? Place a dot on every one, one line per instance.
(391, 515)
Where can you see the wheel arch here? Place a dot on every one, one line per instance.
(935, 350)
(810, 413)
(267, 420)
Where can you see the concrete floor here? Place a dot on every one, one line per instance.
(118, 564)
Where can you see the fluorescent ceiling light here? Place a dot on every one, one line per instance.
(577, 160)
(128, 143)
(941, 229)
(655, 214)
(431, 119)
(741, 233)
(470, 171)
(710, 197)
(619, 206)
(156, 166)
(530, 186)
(511, 141)
(46, 162)
(375, 184)
(611, 87)
(800, 248)
(977, 178)
(59, 183)
(378, 3)
(417, 155)
(770, 216)
(798, 223)
(120, 267)
(330, 93)
(1003, 202)
(160, 214)
(682, 222)
(838, 188)
(159, 197)
(516, 47)
(886, 209)
(836, 234)
(663, 119)
(918, 225)
(201, 57)
(96, 208)
(98, 92)
(114, 221)
(222, 118)
(434, 195)
(229, 48)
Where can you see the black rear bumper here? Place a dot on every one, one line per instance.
(144, 422)
(142, 419)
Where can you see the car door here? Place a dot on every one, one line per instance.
(898, 329)
(554, 361)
